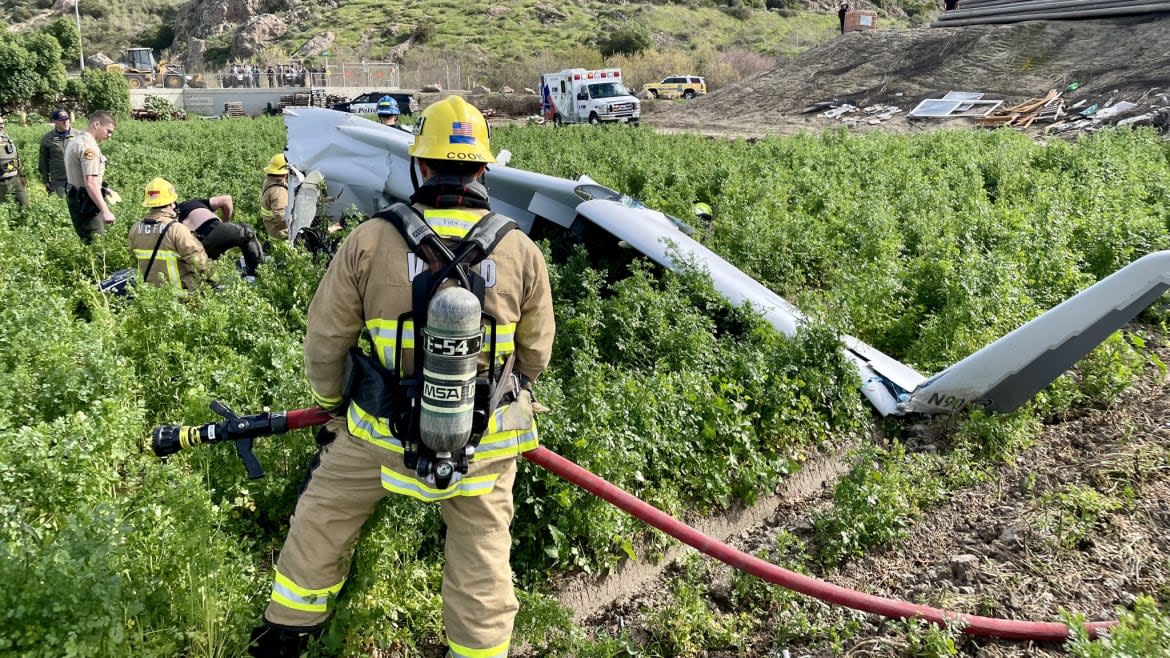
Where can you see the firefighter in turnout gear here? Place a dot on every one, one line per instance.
(370, 284)
(274, 197)
(12, 177)
(167, 252)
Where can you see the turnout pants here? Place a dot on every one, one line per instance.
(347, 480)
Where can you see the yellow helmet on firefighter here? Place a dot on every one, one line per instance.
(277, 166)
(452, 129)
(159, 192)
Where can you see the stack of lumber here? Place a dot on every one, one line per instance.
(234, 109)
(1022, 115)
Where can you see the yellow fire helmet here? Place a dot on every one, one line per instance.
(452, 129)
(159, 193)
(277, 166)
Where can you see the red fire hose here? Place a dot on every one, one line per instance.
(971, 624)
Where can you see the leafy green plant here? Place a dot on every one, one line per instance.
(1074, 513)
(926, 640)
(1142, 631)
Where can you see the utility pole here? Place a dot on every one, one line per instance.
(80, 49)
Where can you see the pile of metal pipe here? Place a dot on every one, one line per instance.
(991, 12)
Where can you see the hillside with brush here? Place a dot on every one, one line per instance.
(498, 41)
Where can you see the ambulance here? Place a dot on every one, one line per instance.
(581, 96)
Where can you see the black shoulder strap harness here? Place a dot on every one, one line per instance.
(444, 262)
(154, 254)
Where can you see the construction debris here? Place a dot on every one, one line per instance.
(1022, 115)
(955, 104)
(1151, 109)
(312, 98)
(873, 114)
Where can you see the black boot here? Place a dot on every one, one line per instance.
(274, 641)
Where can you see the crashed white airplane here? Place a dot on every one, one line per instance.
(366, 167)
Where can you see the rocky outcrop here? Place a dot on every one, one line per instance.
(497, 11)
(548, 14)
(316, 45)
(196, 54)
(256, 34)
(207, 18)
(398, 52)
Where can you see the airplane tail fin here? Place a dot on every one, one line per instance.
(1007, 373)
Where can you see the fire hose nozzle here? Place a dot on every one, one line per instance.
(166, 440)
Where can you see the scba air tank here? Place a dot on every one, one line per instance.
(452, 341)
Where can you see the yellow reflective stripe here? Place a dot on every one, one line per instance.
(451, 222)
(384, 333)
(507, 444)
(291, 595)
(169, 258)
(505, 338)
(368, 428)
(408, 486)
(460, 651)
(325, 402)
(495, 443)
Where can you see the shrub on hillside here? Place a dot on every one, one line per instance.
(628, 38)
(99, 90)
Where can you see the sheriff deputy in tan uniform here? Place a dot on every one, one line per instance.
(274, 197)
(168, 253)
(85, 169)
(368, 285)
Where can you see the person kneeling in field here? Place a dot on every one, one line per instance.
(166, 250)
(210, 221)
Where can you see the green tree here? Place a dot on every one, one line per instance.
(66, 34)
(100, 90)
(18, 75)
(30, 70)
(46, 53)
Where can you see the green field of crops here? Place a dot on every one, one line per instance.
(927, 247)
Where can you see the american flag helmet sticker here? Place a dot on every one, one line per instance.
(461, 133)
